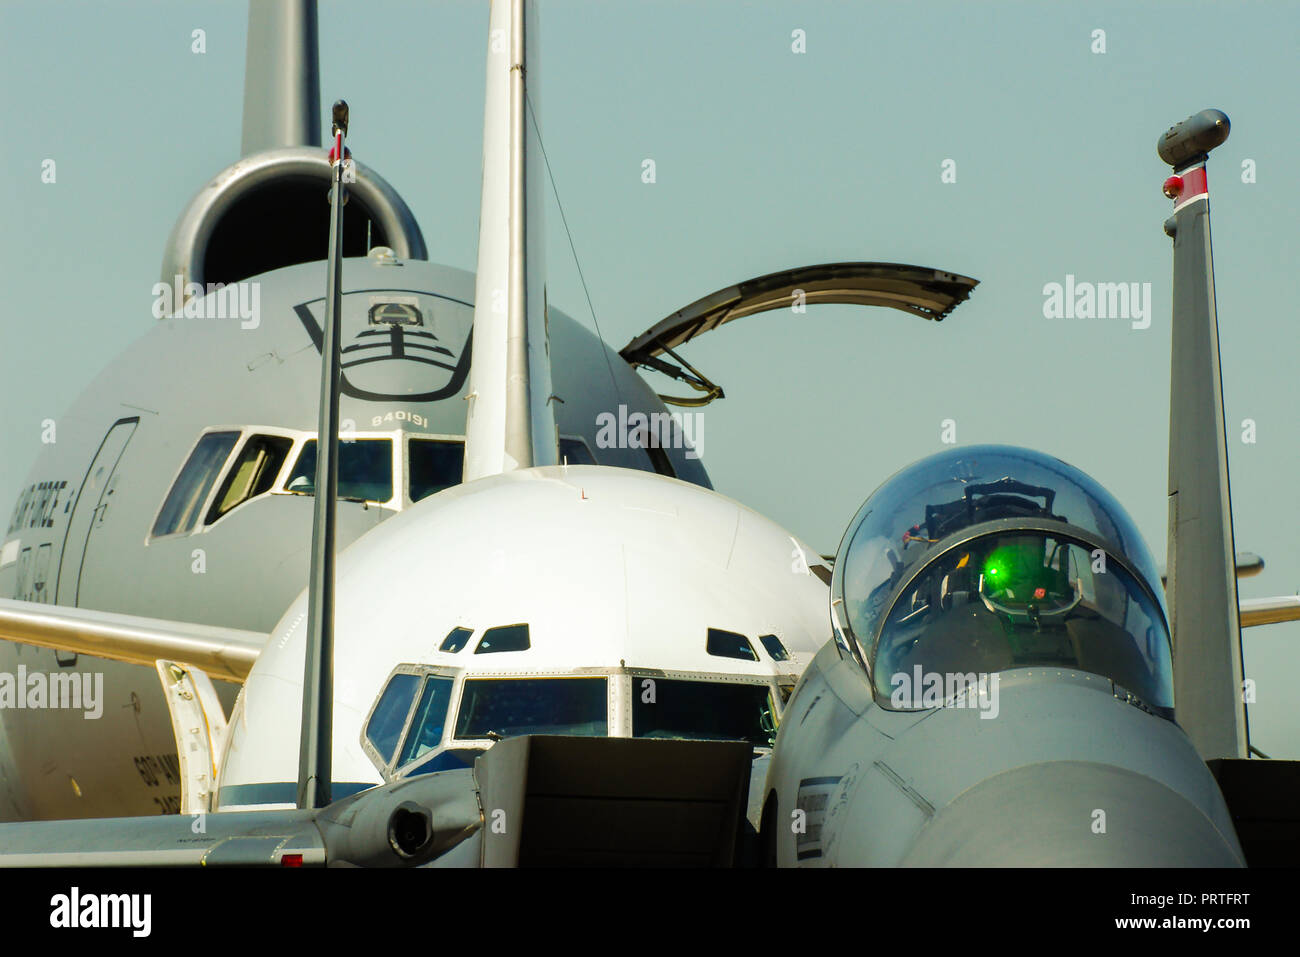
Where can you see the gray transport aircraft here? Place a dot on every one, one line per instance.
(180, 489)
(1002, 683)
(504, 637)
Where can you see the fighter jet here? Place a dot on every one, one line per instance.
(181, 488)
(1005, 684)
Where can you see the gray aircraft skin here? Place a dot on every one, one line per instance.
(1000, 687)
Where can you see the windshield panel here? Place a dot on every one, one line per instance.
(899, 527)
(389, 717)
(180, 509)
(429, 721)
(1017, 600)
(365, 470)
(435, 464)
(707, 710)
(512, 706)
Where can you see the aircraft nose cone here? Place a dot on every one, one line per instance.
(1072, 814)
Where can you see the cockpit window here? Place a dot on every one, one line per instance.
(253, 473)
(429, 721)
(435, 464)
(728, 644)
(384, 729)
(503, 638)
(986, 558)
(774, 647)
(1023, 599)
(505, 707)
(707, 710)
(455, 640)
(180, 510)
(365, 470)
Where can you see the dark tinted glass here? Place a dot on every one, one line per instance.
(365, 470)
(455, 640)
(728, 644)
(504, 638)
(435, 464)
(514, 706)
(774, 647)
(663, 708)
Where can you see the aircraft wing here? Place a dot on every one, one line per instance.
(918, 290)
(1269, 611)
(223, 653)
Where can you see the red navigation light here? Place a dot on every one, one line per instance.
(1173, 187)
(291, 860)
(1040, 592)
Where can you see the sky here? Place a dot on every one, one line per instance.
(765, 158)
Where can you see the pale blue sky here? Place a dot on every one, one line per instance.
(765, 159)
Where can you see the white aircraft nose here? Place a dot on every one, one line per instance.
(1072, 814)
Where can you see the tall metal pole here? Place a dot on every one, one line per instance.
(315, 746)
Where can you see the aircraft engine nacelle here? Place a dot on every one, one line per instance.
(271, 209)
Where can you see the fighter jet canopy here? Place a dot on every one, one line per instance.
(987, 558)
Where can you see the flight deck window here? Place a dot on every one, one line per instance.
(707, 710)
(435, 464)
(728, 644)
(252, 474)
(385, 725)
(774, 647)
(505, 707)
(365, 470)
(180, 510)
(429, 721)
(455, 640)
(503, 638)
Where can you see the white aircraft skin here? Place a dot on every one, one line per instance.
(621, 573)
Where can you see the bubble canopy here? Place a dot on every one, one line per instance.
(985, 558)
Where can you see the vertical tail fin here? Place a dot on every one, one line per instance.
(281, 76)
(1202, 589)
(511, 424)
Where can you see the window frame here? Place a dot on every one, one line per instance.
(208, 499)
(395, 502)
(388, 769)
(407, 501)
(281, 475)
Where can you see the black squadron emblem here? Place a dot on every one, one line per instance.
(396, 354)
